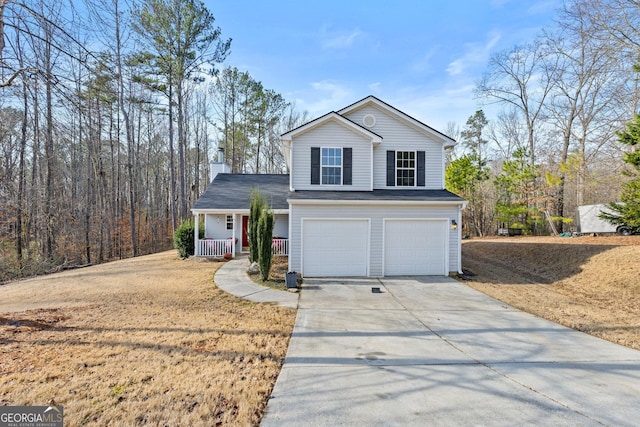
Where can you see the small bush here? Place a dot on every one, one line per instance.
(183, 238)
(257, 204)
(265, 236)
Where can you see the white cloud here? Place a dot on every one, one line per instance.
(425, 62)
(543, 6)
(325, 96)
(340, 39)
(375, 87)
(437, 106)
(476, 54)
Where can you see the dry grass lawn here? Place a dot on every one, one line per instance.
(144, 341)
(591, 284)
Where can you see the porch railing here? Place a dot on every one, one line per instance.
(215, 247)
(280, 247)
(219, 247)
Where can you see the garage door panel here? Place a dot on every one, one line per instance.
(415, 247)
(335, 248)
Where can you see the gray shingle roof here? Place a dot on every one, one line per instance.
(233, 191)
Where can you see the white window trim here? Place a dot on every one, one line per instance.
(415, 169)
(227, 222)
(341, 167)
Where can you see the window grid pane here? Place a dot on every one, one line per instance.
(331, 162)
(405, 168)
(331, 176)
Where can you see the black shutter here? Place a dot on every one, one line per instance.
(391, 168)
(420, 169)
(346, 166)
(315, 165)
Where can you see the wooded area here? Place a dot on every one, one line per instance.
(563, 100)
(110, 112)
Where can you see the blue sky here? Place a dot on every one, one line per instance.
(423, 57)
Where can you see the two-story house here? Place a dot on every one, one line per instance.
(365, 197)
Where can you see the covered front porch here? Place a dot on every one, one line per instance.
(225, 233)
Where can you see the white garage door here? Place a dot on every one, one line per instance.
(415, 247)
(332, 248)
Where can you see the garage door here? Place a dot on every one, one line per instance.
(415, 247)
(332, 248)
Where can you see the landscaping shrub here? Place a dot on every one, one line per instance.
(257, 204)
(265, 233)
(183, 238)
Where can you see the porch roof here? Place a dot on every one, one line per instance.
(233, 191)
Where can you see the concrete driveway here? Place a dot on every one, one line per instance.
(431, 351)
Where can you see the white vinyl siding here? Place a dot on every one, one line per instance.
(281, 226)
(398, 135)
(216, 226)
(376, 214)
(331, 134)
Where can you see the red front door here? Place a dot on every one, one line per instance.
(245, 228)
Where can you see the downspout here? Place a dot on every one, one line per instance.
(462, 206)
(289, 235)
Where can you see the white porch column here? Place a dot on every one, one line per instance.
(196, 233)
(233, 237)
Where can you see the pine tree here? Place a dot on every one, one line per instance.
(257, 204)
(265, 238)
(627, 212)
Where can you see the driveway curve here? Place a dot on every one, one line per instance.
(432, 351)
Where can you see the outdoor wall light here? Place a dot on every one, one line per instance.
(454, 224)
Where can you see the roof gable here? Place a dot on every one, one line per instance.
(403, 117)
(336, 118)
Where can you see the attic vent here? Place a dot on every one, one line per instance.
(369, 121)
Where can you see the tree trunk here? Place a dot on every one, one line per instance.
(128, 130)
(21, 172)
(172, 170)
(87, 213)
(181, 149)
(566, 140)
(49, 153)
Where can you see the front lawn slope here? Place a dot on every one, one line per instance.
(143, 341)
(591, 284)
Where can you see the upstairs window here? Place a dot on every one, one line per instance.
(405, 168)
(331, 166)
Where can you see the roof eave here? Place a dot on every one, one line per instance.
(370, 202)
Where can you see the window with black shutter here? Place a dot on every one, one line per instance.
(420, 174)
(391, 168)
(315, 165)
(346, 166)
(406, 168)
